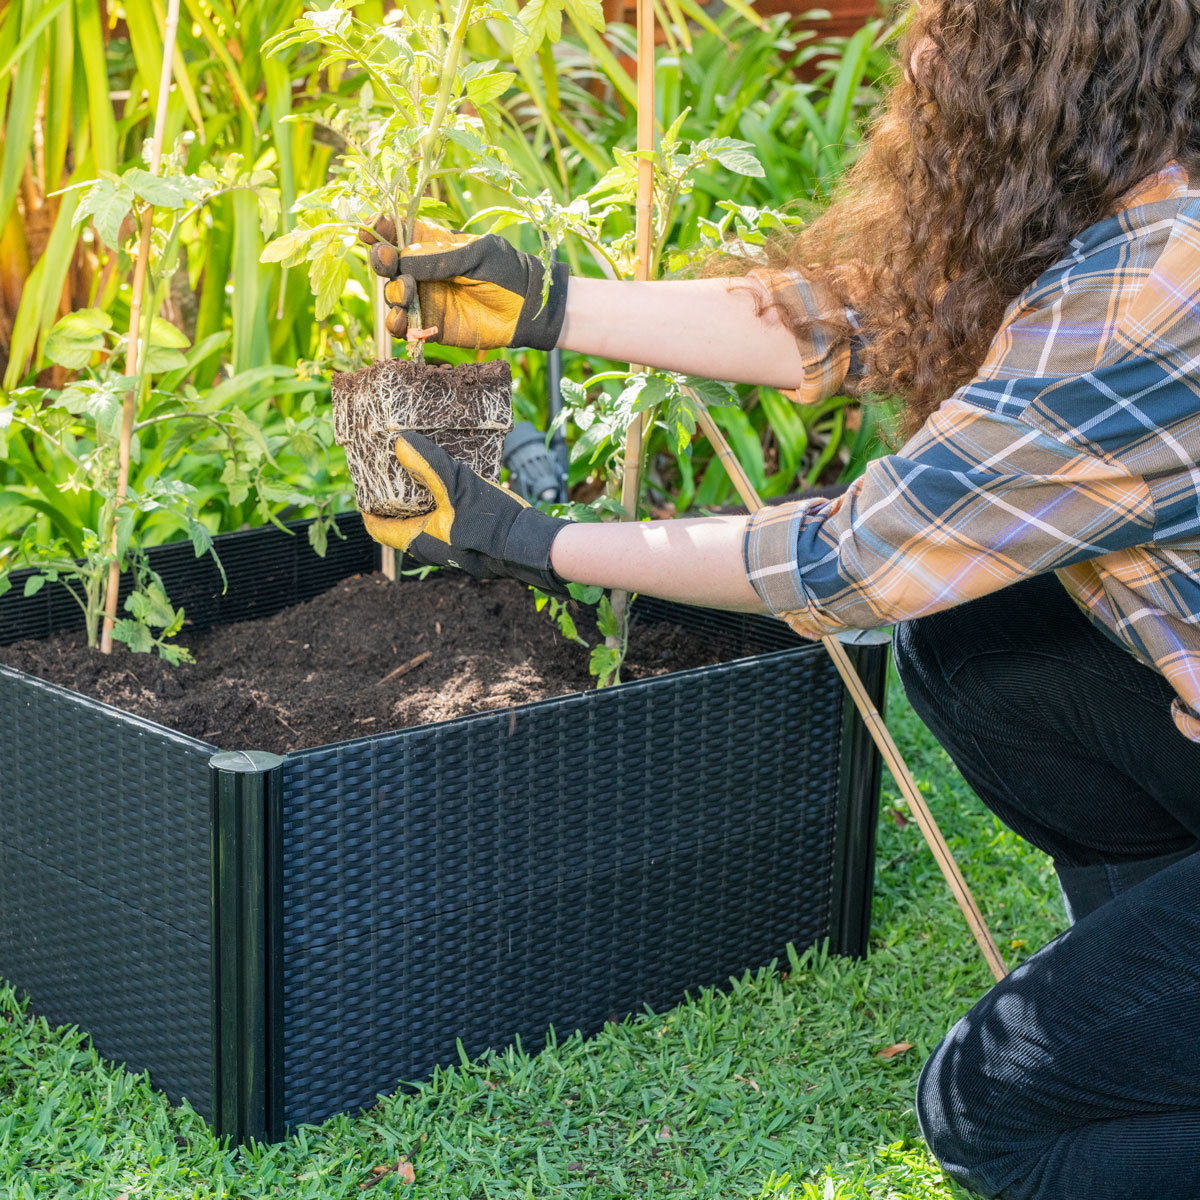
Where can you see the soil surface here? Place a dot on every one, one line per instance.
(363, 658)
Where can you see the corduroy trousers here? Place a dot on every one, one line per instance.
(1078, 1076)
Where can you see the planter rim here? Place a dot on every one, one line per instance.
(625, 689)
(109, 710)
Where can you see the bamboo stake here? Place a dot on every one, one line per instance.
(388, 558)
(878, 730)
(644, 210)
(132, 355)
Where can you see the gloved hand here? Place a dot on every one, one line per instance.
(481, 527)
(477, 290)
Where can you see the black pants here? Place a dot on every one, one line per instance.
(1078, 1076)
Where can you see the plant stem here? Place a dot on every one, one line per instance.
(631, 482)
(429, 144)
(129, 407)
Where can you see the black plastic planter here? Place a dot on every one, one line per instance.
(281, 939)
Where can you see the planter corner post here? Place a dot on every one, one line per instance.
(245, 819)
(853, 882)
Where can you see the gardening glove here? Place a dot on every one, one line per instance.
(476, 290)
(484, 529)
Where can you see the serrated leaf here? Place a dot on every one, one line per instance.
(734, 155)
(653, 391)
(76, 337)
(72, 352)
(108, 202)
(175, 655)
(330, 21)
(714, 393)
(606, 620)
(124, 527)
(318, 537)
(164, 191)
(134, 634)
(34, 584)
(328, 274)
(292, 248)
(542, 19)
(487, 88)
(307, 447)
(573, 392)
(201, 538)
(587, 12)
(269, 210)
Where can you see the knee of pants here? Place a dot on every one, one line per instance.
(956, 1108)
(922, 671)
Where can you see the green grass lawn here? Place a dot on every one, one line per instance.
(771, 1091)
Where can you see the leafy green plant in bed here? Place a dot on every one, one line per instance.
(76, 428)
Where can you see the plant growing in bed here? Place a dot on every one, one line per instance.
(416, 96)
(80, 424)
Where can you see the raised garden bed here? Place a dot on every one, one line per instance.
(282, 937)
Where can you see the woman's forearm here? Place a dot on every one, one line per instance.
(693, 561)
(702, 327)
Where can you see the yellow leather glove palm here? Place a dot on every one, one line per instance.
(478, 526)
(477, 290)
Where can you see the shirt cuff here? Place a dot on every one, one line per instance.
(769, 551)
(826, 358)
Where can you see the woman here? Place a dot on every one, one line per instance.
(1017, 256)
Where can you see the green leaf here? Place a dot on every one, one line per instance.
(318, 537)
(585, 593)
(585, 13)
(714, 393)
(108, 202)
(733, 154)
(100, 402)
(487, 88)
(653, 391)
(175, 655)
(34, 584)
(163, 333)
(124, 523)
(333, 21)
(606, 619)
(162, 358)
(542, 19)
(202, 540)
(150, 606)
(566, 625)
(135, 635)
(77, 337)
(328, 274)
(604, 663)
(164, 191)
(573, 393)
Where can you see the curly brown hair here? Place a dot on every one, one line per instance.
(1028, 121)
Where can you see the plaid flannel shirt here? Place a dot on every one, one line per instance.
(1076, 449)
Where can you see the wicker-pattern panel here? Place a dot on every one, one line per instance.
(554, 864)
(267, 570)
(104, 882)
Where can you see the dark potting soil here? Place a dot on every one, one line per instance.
(363, 658)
